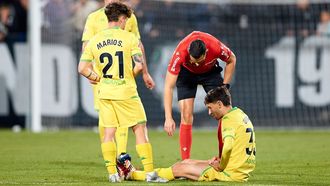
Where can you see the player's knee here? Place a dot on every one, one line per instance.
(187, 161)
(186, 117)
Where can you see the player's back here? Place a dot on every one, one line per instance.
(242, 159)
(112, 50)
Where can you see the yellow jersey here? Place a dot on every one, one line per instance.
(237, 125)
(111, 50)
(98, 21)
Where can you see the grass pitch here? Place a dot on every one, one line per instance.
(74, 157)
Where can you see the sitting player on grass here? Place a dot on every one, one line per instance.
(238, 153)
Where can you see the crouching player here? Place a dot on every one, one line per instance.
(239, 148)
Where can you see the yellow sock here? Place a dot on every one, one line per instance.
(109, 156)
(166, 173)
(145, 154)
(101, 132)
(138, 175)
(121, 139)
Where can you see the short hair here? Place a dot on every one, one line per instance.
(116, 9)
(218, 94)
(197, 48)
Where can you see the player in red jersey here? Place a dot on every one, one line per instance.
(194, 62)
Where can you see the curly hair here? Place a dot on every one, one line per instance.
(218, 94)
(116, 9)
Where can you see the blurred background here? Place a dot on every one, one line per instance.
(282, 75)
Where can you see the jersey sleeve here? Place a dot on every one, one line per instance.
(132, 26)
(89, 30)
(87, 55)
(225, 52)
(177, 59)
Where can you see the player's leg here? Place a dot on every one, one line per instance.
(143, 147)
(186, 89)
(121, 139)
(108, 123)
(185, 133)
(144, 150)
(165, 173)
(189, 169)
(97, 109)
(131, 114)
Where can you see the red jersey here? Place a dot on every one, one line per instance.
(215, 49)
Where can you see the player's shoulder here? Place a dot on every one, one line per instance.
(235, 115)
(96, 13)
(133, 16)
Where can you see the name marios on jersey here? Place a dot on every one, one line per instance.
(109, 42)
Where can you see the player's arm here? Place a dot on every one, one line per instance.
(148, 81)
(138, 60)
(228, 143)
(85, 68)
(132, 26)
(89, 30)
(84, 44)
(230, 69)
(170, 80)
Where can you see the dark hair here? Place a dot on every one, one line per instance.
(218, 94)
(197, 48)
(116, 9)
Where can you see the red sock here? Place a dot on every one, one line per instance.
(185, 140)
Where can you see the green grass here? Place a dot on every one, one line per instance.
(74, 157)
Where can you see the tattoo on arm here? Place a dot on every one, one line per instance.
(137, 58)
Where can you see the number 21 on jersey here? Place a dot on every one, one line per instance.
(119, 56)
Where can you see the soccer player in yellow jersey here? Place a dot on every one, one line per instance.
(95, 23)
(112, 51)
(239, 147)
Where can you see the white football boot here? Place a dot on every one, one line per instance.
(113, 178)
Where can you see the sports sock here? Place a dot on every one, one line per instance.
(138, 176)
(145, 154)
(121, 139)
(166, 173)
(109, 156)
(185, 140)
(101, 132)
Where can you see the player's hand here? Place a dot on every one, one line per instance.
(148, 81)
(94, 81)
(215, 163)
(169, 126)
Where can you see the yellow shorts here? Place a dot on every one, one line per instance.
(210, 174)
(121, 113)
(96, 99)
